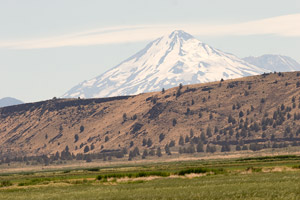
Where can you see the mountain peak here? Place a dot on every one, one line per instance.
(164, 63)
(181, 35)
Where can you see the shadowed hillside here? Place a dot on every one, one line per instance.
(247, 113)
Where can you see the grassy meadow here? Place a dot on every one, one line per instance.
(251, 178)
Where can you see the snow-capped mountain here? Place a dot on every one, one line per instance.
(164, 63)
(276, 63)
(9, 101)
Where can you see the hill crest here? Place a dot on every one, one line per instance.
(262, 109)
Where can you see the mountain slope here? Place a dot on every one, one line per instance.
(9, 101)
(260, 109)
(164, 63)
(273, 63)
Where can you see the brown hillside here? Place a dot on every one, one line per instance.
(262, 106)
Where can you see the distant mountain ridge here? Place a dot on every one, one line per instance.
(277, 63)
(164, 63)
(9, 101)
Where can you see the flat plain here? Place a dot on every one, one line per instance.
(270, 177)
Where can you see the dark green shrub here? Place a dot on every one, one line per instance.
(95, 169)
(254, 169)
(133, 175)
(5, 183)
(200, 171)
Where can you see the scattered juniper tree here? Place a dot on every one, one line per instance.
(180, 150)
(191, 133)
(238, 105)
(136, 151)
(76, 137)
(172, 143)
(203, 137)
(81, 129)
(187, 139)
(188, 110)
(124, 117)
(241, 114)
(180, 86)
(158, 152)
(216, 129)
(134, 117)
(92, 146)
(208, 132)
(190, 149)
(231, 120)
(149, 142)
(86, 149)
(161, 137)
(225, 148)
(211, 148)
(145, 154)
(167, 149)
(131, 155)
(131, 144)
(88, 158)
(200, 147)
(144, 143)
(245, 148)
(152, 152)
(181, 141)
(200, 113)
(174, 122)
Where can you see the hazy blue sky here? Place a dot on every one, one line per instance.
(47, 47)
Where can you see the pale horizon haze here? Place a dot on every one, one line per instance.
(47, 47)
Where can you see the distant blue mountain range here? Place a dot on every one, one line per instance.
(9, 101)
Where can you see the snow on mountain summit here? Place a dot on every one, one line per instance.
(164, 63)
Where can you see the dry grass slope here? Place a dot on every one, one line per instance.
(259, 109)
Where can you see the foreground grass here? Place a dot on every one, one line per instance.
(252, 178)
(275, 185)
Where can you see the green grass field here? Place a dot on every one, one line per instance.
(256, 178)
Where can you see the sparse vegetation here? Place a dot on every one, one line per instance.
(124, 117)
(86, 149)
(81, 129)
(251, 113)
(76, 137)
(174, 122)
(249, 178)
(161, 137)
